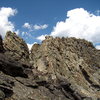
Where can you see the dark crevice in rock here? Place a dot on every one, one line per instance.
(70, 93)
(42, 83)
(67, 95)
(8, 84)
(25, 66)
(51, 91)
(96, 86)
(13, 70)
(87, 77)
(33, 86)
(85, 74)
(8, 92)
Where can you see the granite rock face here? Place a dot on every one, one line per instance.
(56, 69)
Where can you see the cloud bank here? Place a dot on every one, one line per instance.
(80, 24)
(5, 24)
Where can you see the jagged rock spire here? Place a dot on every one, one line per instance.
(16, 47)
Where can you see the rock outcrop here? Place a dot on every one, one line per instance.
(16, 47)
(56, 69)
(71, 59)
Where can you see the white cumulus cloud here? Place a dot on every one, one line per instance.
(97, 47)
(5, 24)
(39, 27)
(32, 27)
(41, 38)
(27, 25)
(79, 23)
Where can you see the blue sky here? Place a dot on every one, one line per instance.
(45, 12)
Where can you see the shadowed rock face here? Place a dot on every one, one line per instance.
(57, 69)
(1, 45)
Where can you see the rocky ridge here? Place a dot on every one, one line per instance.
(56, 69)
